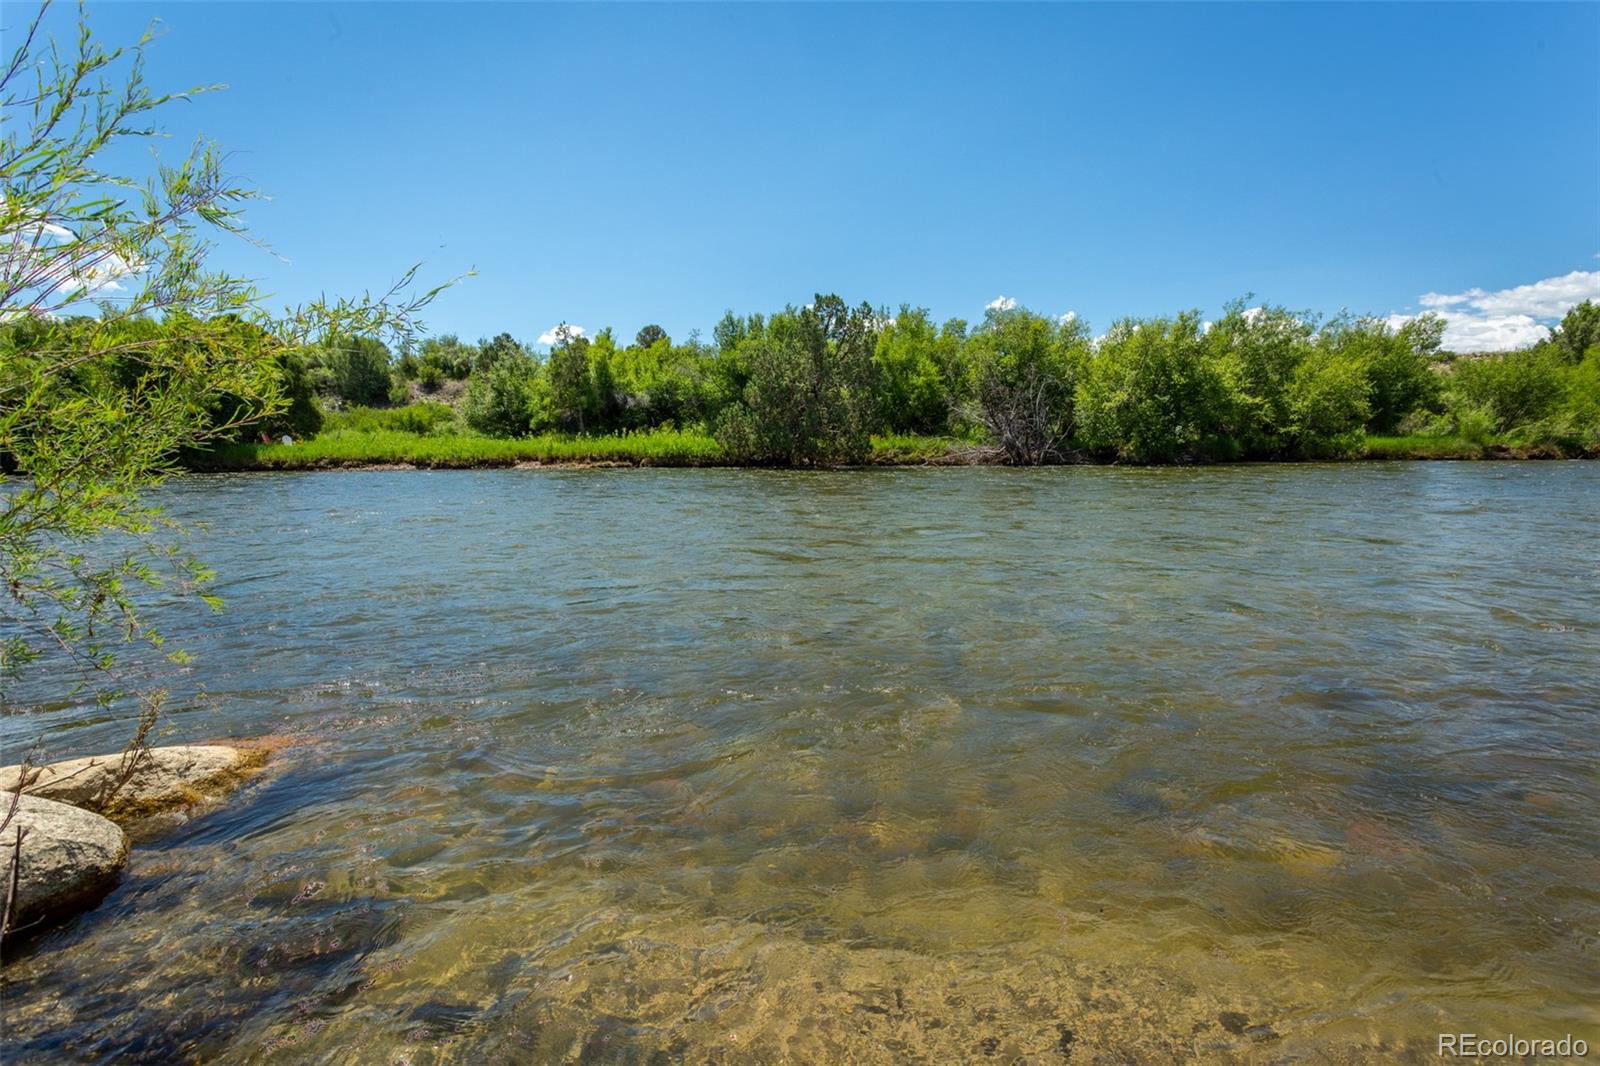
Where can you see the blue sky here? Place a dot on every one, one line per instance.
(628, 164)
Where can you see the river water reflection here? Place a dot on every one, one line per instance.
(1239, 763)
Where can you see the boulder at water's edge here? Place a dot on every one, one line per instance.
(137, 784)
(68, 858)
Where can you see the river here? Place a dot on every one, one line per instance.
(1224, 764)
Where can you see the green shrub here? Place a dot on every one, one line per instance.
(1150, 394)
(358, 369)
(1327, 407)
(296, 416)
(490, 352)
(509, 399)
(1474, 425)
(1399, 364)
(449, 356)
(1578, 332)
(1024, 373)
(1258, 353)
(399, 391)
(1581, 407)
(420, 418)
(807, 399)
(914, 363)
(1515, 388)
(1574, 422)
(572, 400)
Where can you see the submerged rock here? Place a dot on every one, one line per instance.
(67, 860)
(133, 786)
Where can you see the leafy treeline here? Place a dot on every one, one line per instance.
(229, 375)
(810, 385)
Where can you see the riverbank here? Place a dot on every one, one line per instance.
(673, 448)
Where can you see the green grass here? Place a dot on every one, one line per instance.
(347, 447)
(412, 418)
(908, 449)
(1504, 446)
(343, 447)
(1422, 448)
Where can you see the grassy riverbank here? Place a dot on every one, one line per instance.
(1422, 447)
(350, 448)
(396, 447)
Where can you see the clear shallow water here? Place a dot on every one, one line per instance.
(1236, 763)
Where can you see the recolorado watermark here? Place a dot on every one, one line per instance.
(1471, 1045)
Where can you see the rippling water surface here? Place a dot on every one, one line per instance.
(638, 766)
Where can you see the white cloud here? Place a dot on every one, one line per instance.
(1069, 317)
(555, 333)
(1549, 298)
(1001, 303)
(1483, 333)
(92, 276)
(1479, 320)
(56, 260)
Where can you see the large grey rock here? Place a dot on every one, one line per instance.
(120, 786)
(67, 860)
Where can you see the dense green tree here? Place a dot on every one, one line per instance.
(731, 330)
(501, 346)
(1327, 408)
(293, 412)
(1262, 382)
(1516, 388)
(1579, 331)
(1024, 372)
(449, 355)
(915, 385)
(1578, 417)
(509, 399)
(607, 402)
(298, 416)
(1400, 364)
(360, 369)
(807, 399)
(1151, 394)
(663, 383)
(1258, 352)
(571, 387)
(726, 375)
